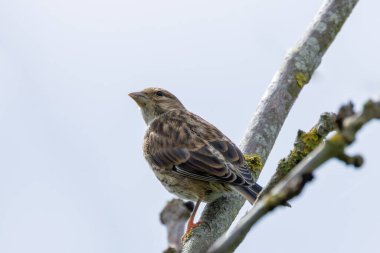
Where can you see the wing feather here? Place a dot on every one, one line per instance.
(205, 155)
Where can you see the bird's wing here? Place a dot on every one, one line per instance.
(219, 159)
(197, 150)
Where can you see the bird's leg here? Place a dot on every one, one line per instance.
(190, 223)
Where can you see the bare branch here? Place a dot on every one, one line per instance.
(272, 111)
(293, 184)
(174, 216)
(295, 72)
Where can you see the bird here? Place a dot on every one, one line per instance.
(191, 157)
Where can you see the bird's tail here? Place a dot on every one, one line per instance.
(249, 192)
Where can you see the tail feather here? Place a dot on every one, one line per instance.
(248, 192)
(251, 192)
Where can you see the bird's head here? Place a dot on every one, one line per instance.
(155, 101)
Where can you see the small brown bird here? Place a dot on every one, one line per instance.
(190, 156)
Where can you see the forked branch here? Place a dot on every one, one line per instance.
(293, 183)
(295, 72)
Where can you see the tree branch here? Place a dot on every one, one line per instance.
(271, 113)
(303, 145)
(174, 217)
(293, 184)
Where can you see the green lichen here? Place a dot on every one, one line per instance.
(310, 141)
(305, 143)
(254, 163)
(301, 79)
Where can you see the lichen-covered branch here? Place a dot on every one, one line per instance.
(293, 183)
(303, 145)
(272, 111)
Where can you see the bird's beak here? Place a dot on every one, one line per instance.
(139, 97)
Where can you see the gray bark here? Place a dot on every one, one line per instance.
(272, 111)
(294, 183)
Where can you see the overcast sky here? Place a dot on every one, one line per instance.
(72, 175)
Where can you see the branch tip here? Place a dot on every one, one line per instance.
(294, 182)
(355, 160)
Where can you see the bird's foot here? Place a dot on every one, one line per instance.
(190, 228)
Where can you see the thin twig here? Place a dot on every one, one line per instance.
(174, 216)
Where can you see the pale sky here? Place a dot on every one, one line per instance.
(72, 175)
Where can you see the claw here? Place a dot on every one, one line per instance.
(190, 228)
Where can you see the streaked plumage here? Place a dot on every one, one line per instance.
(191, 157)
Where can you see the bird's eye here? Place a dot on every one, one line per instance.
(159, 93)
